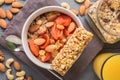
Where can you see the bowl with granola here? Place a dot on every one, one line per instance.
(46, 33)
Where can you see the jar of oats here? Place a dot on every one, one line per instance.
(104, 18)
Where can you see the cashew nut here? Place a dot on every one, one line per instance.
(20, 78)
(21, 73)
(9, 75)
(9, 62)
(65, 5)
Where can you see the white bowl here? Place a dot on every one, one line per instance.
(29, 21)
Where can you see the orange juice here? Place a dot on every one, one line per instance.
(107, 66)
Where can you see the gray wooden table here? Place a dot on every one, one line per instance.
(88, 74)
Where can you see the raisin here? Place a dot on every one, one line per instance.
(106, 20)
(112, 9)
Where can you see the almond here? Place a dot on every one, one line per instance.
(50, 48)
(2, 57)
(71, 27)
(60, 27)
(17, 4)
(14, 10)
(9, 14)
(74, 11)
(87, 3)
(3, 23)
(17, 65)
(1, 2)
(2, 67)
(82, 10)
(33, 28)
(2, 13)
(49, 24)
(9, 1)
(29, 78)
(39, 41)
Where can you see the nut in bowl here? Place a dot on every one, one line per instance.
(46, 33)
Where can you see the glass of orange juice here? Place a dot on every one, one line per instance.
(107, 66)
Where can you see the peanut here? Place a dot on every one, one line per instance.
(50, 48)
(39, 22)
(49, 24)
(2, 13)
(42, 52)
(42, 30)
(39, 41)
(82, 10)
(60, 27)
(71, 27)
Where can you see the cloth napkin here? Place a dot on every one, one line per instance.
(15, 28)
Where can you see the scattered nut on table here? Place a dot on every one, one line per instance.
(65, 5)
(21, 73)
(2, 57)
(3, 23)
(29, 78)
(17, 4)
(2, 67)
(9, 62)
(9, 75)
(14, 10)
(2, 1)
(74, 11)
(82, 10)
(79, 1)
(17, 65)
(9, 15)
(9, 1)
(20, 78)
(87, 3)
(2, 13)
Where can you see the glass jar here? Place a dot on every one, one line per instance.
(105, 20)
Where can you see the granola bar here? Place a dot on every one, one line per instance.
(71, 50)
